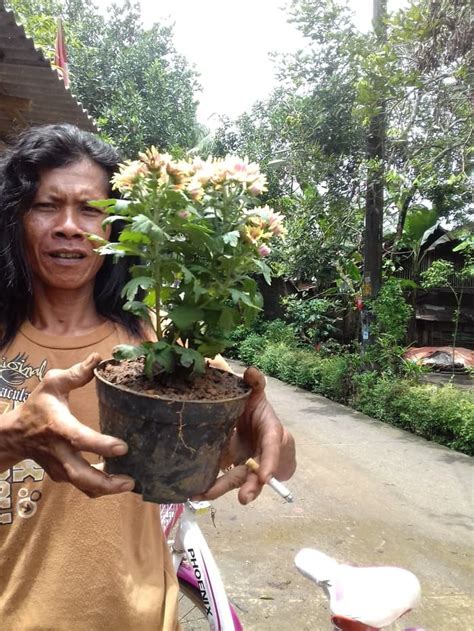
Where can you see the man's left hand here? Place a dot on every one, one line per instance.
(260, 435)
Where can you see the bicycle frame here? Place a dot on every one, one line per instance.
(194, 563)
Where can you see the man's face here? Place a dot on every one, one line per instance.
(59, 254)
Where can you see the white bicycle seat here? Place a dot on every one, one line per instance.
(374, 596)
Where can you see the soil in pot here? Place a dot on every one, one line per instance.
(176, 430)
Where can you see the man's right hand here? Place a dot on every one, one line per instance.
(43, 429)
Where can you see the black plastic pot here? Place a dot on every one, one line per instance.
(174, 447)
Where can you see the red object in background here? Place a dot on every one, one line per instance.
(60, 54)
(440, 356)
(359, 303)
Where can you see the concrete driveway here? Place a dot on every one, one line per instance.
(365, 492)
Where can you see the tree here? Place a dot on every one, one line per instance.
(311, 133)
(131, 80)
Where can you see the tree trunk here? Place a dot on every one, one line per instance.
(374, 202)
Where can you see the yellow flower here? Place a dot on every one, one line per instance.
(128, 175)
(153, 159)
(270, 219)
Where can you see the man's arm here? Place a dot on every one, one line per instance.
(44, 430)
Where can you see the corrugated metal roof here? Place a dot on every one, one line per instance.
(31, 92)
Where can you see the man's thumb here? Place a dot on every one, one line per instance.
(255, 379)
(75, 377)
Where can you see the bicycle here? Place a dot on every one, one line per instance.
(361, 598)
(203, 603)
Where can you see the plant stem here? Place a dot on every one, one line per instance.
(159, 334)
(157, 277)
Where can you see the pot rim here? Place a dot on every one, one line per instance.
(161, 398)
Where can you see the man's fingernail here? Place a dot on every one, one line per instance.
(119, 450)
(127, 486)
(250, 498)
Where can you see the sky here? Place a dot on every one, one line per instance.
(229, 42)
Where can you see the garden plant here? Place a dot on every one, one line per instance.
(199, 237)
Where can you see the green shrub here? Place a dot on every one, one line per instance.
(309, 370)
(270, 359)
(251, 348)
(278, 331)
(334, 379)
(312, 318)
(444, 415)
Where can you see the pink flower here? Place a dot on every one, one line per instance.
(264, 250)
(267, 218)
(184, 214)
(258, 186)
(195, 189)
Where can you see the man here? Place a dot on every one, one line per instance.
(69, 562)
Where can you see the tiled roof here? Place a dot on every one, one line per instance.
(31, 92)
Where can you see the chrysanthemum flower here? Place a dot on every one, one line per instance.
(128, 174)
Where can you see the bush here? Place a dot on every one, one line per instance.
(278, 331)
(335, 378)
(444, 415)
(312, 318)
(250, 349)
(273, 331)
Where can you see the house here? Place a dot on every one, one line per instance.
(435, 308)
(31, 91)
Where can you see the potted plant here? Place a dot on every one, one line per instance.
(200, 238)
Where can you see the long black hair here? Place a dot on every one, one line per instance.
(33, 150)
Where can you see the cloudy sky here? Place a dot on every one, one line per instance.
(229, 42)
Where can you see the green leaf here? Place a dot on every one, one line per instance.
(228, 318)
(130, 289)
(212, 348)
(102, 203)
(409, 284)
(265, 270)
(132, 238)
(418, 222)
(139, 309)
(240, 296)
(184, 317)
(231, 238)
(143, 224)
(166, 359)
(190, 357)
(127, 351)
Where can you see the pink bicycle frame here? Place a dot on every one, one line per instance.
(195, 564)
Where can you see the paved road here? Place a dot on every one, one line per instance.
(365, 492)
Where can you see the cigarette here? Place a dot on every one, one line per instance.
(276, 485)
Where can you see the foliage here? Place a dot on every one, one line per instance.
(440, 274)
(389, 327)
(131, 80)
(199, 236)
(391, 311)
(316, 124)
(442, 414)
(313, 319)
(250, 348)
